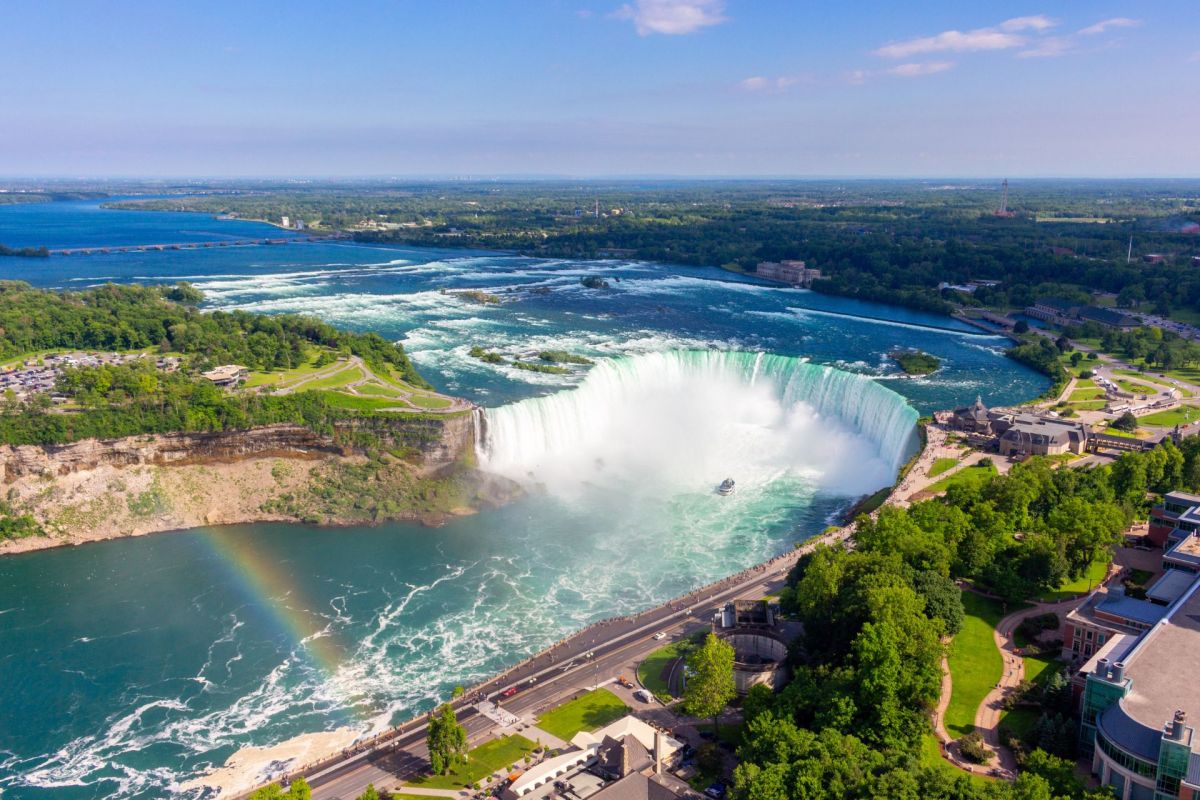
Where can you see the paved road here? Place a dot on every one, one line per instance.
(557, 674)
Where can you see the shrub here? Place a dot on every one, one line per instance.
(973, 749)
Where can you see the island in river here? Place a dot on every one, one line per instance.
(106, 435)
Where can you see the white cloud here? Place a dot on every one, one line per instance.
(672, 17)
(915, 69)
(1005, 36)
(769, 85)
(1048, 48)
(1040, 22)
(1105, 24)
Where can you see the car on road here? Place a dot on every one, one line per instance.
(625, 682)
(510, 691)
(644, 696)
(716, 791)
(658, 637)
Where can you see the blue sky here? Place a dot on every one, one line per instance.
(600, 87)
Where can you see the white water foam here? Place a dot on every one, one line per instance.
(673, 422)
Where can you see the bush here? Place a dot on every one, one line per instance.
(973, 749)
(1126, 422)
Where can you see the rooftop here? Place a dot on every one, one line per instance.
(1141, 611)
(1171, 586)
(1186, 550)
(1161, 664)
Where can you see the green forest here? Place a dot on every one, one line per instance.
(892, 241)
(867, 669)
(115, 400)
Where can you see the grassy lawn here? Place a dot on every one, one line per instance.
(973, 474)
(1094, 393)
(941, 465)
(497, 754)
(1189, 374)
(930, 756)
(286, 377)
(428, 400)
(1155, 379)
(1111, 431)
(1090, 580)
(593, 710)
(1020, 721)
(337, 379)
(975, 663)
(1175, 416)
(652, 672)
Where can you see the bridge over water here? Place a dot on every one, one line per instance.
(143, 248)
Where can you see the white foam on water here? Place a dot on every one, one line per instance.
(672, 422)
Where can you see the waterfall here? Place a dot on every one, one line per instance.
(699, 416)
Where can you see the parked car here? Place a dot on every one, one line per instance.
(625, 682)
(716, 791)
(658, 637)
(644, 696)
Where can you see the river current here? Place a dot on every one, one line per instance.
(128, 667)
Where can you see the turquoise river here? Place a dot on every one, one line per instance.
(130, 667)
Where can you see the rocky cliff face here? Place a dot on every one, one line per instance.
(432, 442)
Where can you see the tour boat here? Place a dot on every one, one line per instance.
(726, 487)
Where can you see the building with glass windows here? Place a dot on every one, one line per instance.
(1140, 702)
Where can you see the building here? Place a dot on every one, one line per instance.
(1154, 258)
(626, 760)
(1023, 435)
(226, 375)
(1055, 310)
(1107, 317)
(1175, 518)
(1058, 311)
(795, 273)
(1138, 699)
(974, 418)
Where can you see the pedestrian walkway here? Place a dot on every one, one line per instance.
(498, 715)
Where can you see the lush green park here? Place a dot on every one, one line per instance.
(1180, 415)
(941, 465)
(974, 475)
(975, 663)
(652, 673)
(482, 761)
(585, 713)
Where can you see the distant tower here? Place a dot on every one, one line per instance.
(1003, 211)
(597, 214)
(1129, 255)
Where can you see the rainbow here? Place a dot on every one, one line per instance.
(277, 593)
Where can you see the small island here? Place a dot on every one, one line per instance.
(915, 362)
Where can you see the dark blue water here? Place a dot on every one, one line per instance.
(130, 666)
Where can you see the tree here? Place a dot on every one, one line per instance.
(1126, 422)
(1021, 327)
(447, 741)
(370, 793)
(299, 790)
(710, 684)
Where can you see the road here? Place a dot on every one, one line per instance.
(615, 647)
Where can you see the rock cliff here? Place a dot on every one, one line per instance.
(432, 442)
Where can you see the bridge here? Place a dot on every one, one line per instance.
(145, 248)
(1106, 441)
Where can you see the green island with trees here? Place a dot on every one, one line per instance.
(300, 373)
(916, 362)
